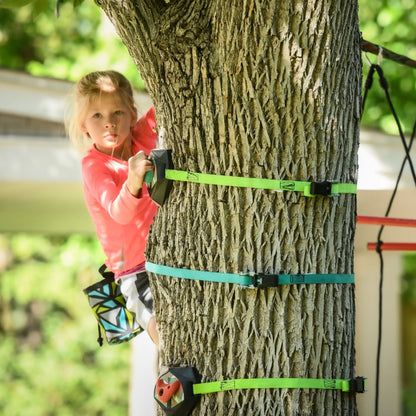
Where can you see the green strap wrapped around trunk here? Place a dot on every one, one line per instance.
(308, 188)
(356, 385)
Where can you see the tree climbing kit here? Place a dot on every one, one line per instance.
(159, 187)
(174, 391)
(160, 181)
(178, 390)
(109, 308)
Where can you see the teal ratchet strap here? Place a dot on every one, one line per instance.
(254, 280)
(310, 189)
(355, 385)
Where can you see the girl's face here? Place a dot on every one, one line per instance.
(108, 123)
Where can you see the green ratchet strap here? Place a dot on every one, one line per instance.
(178, 390)
(356, 385)
(255, 280)
(310, 189)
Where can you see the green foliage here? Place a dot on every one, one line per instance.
(408, 290)
(48, 350)
(79, 41)
(14, 4)
(409, 279)
(409, 396)
(390, 23)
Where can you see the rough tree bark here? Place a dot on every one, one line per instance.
(265, 89)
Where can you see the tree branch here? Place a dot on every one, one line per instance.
(367, 46)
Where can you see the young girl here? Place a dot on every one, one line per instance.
(105, 122)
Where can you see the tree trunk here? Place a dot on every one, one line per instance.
(266, 89)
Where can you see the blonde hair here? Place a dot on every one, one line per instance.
(87, 90)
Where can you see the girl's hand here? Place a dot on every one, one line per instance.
(139, 164)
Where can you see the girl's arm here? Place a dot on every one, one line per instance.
(139, 164)
(120, 204)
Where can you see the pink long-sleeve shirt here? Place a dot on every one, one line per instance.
(122, 221)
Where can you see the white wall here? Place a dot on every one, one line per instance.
(380, 158)
(367, 268)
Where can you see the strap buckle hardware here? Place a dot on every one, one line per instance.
(265, 280)
(357, 385)
(323, 188)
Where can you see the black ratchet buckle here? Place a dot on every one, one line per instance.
(265, 280)
(357, 385)
(321, 188)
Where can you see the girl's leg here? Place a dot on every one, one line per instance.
(143, 315)
(152, 331)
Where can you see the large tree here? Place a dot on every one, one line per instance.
(267, 89)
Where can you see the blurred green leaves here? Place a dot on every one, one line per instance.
(82, 40)
(37, 5)
(79, 41)
(51, 362)
(15, 4)
(409, 279)
(390, 23)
